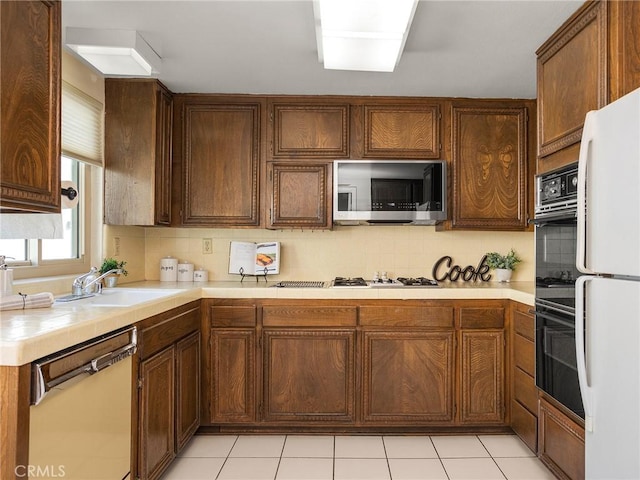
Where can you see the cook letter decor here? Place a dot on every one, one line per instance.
(444, 270)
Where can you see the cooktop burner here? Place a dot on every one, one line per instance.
(417, 282)
(349, 282)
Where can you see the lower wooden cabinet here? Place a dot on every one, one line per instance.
(168, 396)
(560, 442)
(408, 377)
(354, 364)
(309, 375)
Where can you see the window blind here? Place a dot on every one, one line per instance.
(82, 126)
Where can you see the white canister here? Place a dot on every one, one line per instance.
(168, 269)
(200, 275)
(185, 272)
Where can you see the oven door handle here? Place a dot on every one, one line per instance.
(581, 361)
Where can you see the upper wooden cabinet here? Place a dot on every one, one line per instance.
(401, 131)
(490, 169)
(572, 79)
(219, 144)
(590, 61)
(30, 115)
(138, 127)
(308, 130)
(299, 195)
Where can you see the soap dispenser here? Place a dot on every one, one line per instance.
(6, 278)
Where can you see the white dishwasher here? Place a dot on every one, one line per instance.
(80, 417)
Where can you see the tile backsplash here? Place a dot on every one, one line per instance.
(319, 254)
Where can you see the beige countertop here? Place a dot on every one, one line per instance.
(26, 335)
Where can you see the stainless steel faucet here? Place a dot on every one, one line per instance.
(89, 282)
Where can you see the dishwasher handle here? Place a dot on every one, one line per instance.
(43, 380)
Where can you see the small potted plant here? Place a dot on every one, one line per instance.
(112, 264)
(503, 265)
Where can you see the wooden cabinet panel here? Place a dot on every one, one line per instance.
(399, 316)
(624, 47)
(30, 97)
(524, 323)
(560, 442)
(299, 195)
(233, 316)
(402, 131)
(524, 390)
(524, 355)
(482, 374)
(572, 79)
(221, 158)
(188, 389)
(309, 375)
(309, 316)
(157, 414)
(489, 167)
(310, 130)
(408, 377)
(232, 375)
(525, 425)
(166, 328)
(138, 129)
(482, 317)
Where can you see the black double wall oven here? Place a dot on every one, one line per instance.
(555, 246)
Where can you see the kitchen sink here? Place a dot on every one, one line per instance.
(121, 297)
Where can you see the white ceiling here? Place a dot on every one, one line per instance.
(456, 48)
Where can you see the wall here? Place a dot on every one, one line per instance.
(322, 255)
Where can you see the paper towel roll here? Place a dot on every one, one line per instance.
(6, 281)
(168, 269)
(200, 275)
(185, 272)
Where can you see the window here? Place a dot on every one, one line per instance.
(81, 158)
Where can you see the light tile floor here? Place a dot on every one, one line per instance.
(327, 457)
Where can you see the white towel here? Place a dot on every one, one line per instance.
(20, 302)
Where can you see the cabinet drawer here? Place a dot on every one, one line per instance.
(525, 390)
(524, 423)
(299, 316)
(481, 317)
(233, 316)
(167, 331)
(524, 355)
(524, 324)
(437, 317)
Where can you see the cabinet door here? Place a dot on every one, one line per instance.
(299, 195)
(624, 48)
(188, 388)
(402, 131)
(482, 372)
(156, 435)
(308, 375)
(308, 130)
(137, 189)
(30, 97)
(220, 164)
(489, 168)
(572, 79)
(233, 377)
(408, 377)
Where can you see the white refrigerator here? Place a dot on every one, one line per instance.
(608, 292)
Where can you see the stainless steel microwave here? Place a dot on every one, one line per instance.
(389, 191)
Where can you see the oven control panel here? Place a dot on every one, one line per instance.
(557, 189)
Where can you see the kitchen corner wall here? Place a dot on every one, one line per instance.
(319, 255)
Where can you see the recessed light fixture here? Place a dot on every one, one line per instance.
(114, 52)
(367, 35)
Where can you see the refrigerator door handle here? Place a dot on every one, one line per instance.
(588, 133)
(581, 361)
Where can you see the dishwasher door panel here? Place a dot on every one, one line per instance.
(82, 430)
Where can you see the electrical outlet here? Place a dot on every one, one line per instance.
(116, 246)
(207, 246)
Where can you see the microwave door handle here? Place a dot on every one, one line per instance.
(581, 362)
(586, 151)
